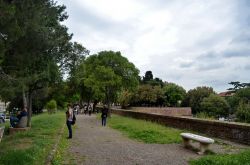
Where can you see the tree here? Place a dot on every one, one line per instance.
(243, 112)
(195, 96)
(174, 94)
(107, 73)
(31, 65)
(215, 106)
(148, 76)
(237, 85)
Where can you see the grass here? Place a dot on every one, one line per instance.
(145, 131)
(242, 158)
(32, 147)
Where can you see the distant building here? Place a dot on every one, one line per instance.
(226, 94)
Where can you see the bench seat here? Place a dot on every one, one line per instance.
(204, 141)
(13, 130)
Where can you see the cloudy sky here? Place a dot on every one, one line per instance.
(188, 42)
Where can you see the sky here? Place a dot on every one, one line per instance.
(189, 42)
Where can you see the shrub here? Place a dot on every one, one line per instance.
(51, 106)
(243, 112)
(215, 105)
(195, 96)
(204, 115)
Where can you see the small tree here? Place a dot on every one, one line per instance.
(51, 106)
(215, 105)
(195, 96)
(243, 112)
(174, 94)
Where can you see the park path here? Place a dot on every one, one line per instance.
(93, 144)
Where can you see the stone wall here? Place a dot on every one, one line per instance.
(169, 111)
(237, 132)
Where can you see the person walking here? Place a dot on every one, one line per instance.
(104, 115)
(69, 119)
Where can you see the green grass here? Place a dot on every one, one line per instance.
(32, 147)
(145, 131)
(242, 158)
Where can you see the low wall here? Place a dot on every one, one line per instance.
(169, 111)
(237, 132)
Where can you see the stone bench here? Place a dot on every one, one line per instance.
(21, 126)
(204, 141)
(13, 130)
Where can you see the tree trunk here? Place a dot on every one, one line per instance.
(29, 108)
(24, 99)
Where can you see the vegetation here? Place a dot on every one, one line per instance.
(232, 159)
(107, 73)
(33, 146)
(51, 106)
(195, 97)
(215, 105)
(145, 131)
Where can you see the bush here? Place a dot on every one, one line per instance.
(204, 115)
(51, 106)
(243, 112)
(215, 105)
(195, 96)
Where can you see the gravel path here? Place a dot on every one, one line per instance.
(93, 144)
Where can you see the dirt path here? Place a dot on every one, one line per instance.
(93, 144)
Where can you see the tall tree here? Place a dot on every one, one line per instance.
(34, 47)
(109, 72)
(148, 76)
(174, 94)
(195, 96)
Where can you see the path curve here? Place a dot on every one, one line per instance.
(93, 144)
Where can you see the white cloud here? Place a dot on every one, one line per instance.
(189, 42)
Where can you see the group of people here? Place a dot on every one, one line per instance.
(70, 118)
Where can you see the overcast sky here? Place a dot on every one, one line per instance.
(189, 42)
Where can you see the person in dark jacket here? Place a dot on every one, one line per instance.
(104, 115)
(15, 119)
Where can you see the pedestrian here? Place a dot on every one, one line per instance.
(104, 115)
(69, 119)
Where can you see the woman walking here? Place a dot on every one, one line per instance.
(69, 119)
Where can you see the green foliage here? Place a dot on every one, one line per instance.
(32, 147)
(243, 112)
(215, 105)
(107, 73)
(125, 98)
(145, 131)
(242, 158)
(204, 115)
(195, 96)
(148, 76)
(174, 94)
(51, 106)
(241, 96)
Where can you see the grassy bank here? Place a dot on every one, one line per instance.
(32, 147)
(145, 131)
(242, 158)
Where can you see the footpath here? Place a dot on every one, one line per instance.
(93, 144)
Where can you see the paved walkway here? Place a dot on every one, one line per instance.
(93, 144)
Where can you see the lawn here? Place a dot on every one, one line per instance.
(242, 158)
(32, 147)
(145, 131)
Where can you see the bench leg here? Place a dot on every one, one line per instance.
(186, 142)
(203, 148)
